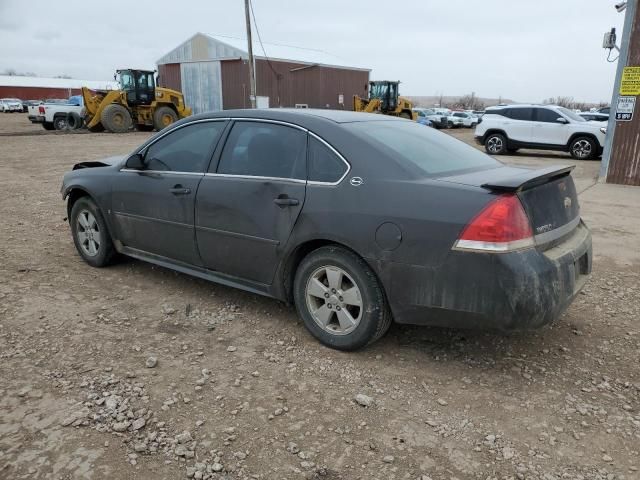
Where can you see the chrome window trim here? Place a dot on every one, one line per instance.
(266, 120)
(338, 154)
(165, 172)
(256, 177)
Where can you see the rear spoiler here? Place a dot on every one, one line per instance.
(528, 179)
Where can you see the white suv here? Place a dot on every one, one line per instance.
(505, 129)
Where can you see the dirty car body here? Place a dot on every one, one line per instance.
(425, 212)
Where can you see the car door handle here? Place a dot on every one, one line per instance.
(180, 190)
(285, 201)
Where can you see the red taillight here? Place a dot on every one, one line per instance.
(41, 110)
(502, 226)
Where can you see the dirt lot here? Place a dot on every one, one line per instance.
(240, 390)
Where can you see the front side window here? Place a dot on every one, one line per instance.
(571, 115)
(264, 150)
(525, 114)
(547, 115)
(186, 149)
(323, 164)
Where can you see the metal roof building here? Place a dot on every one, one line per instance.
(213, 74)
(41, 88)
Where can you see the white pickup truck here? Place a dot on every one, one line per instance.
(59, 116)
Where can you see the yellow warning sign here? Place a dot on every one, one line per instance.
(630, 84)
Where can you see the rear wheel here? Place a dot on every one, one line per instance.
(60, 122)
(496, 144)
(163, 117)
(116, 118)
(583, 148)
(90, 234)
(340, 299)
(74, 121)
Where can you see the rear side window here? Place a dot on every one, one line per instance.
(433, 153)
(547, 115)
(323, 165)
(525, 114)
(497, 111)
(186, 149)
(264, 150)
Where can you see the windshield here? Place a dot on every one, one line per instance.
(433, 152)
(573, 116)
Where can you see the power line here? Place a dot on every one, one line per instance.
(260, 40)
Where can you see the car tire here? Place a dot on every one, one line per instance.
(60, 122)
(74, 121)
(337, 321)
(90, 233)
(116, 118)
(48, 126)
(496, 144)
(163, 117)
(449, 124)
(583, 148)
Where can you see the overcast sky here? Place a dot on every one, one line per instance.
(525, 50)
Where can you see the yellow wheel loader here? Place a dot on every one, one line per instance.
(384, 98)
(138, 103)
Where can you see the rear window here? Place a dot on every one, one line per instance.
(433, 152)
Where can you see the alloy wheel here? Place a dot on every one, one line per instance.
(582, 149)
(494, 144)
(88, 232)
(334, 300)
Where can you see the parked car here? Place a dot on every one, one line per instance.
(468, 120)
(594, 116)
(10, 105)
(438, 120)
(478, 113)
(357, 219)
(424, 121)
(59, 116)
(452, 120)
(605, 110)
(543, 127)
(30, 103)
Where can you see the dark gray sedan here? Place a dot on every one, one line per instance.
(357, 219)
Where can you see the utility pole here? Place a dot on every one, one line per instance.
(252, 76)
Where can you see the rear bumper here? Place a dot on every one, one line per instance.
(36, 119)
(511, 291)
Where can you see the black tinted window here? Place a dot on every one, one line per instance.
(547, 115)
(520, 113)
(497, 111)
(323, 164)
(434, 153)
(264, 150)
(187, 149)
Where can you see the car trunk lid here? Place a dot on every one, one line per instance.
(548, 196)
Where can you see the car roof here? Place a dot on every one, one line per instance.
(298, 115)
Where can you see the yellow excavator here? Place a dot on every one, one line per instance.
(138, 103)
(384, 98)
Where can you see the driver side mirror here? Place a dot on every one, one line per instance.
(562, 120)
(135, 162)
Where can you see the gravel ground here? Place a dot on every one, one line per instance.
(137, 372)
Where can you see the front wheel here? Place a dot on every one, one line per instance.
(496, 144)
(583, 148)
(340, 299)
(163, 117)
(90, 234)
